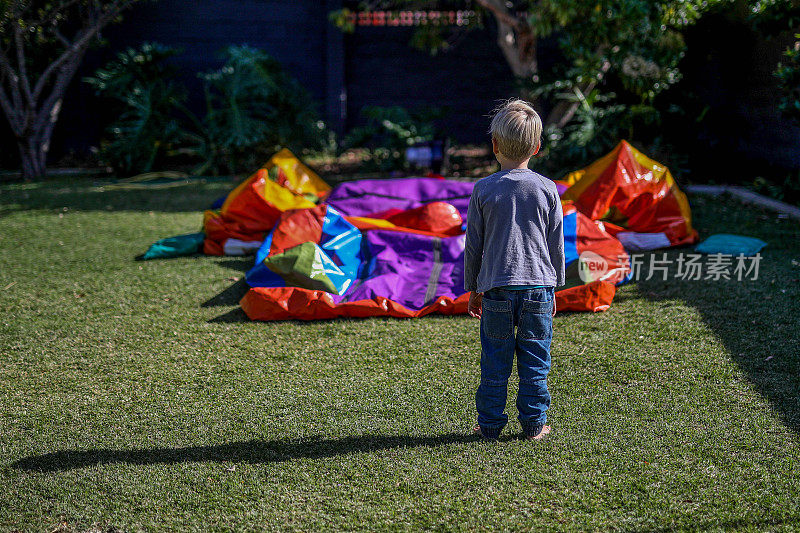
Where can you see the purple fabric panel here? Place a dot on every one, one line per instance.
(451, 280)
(365, 197)
(401, 267)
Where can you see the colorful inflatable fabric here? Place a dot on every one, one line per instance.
(340, 270)
(316, 264)
(251, 210)
(404, 255)
(636, 197)
(394, 247)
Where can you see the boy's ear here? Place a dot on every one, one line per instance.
(538, 146)
(495, 149)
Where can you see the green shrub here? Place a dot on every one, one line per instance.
(788, 74)
(601, 120)
(147, 103)
(593, 131)
(252, 107)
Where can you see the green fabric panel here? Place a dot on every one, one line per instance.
(301, 266)
(175, 246)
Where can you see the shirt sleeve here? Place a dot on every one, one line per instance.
(473, 243)
(555, 242)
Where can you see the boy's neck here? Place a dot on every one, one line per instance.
(505, 164)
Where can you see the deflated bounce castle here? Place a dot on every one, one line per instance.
(395, 247)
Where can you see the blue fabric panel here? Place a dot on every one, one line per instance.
(570, 238)
(261, 276)
(728, 244)
(342, 242)
(263, 250)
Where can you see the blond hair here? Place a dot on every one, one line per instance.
(517, 129)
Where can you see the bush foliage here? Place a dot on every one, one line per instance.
(252, 106)
(146, 101)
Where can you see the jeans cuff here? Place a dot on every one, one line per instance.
(531, 429)
(491, 433)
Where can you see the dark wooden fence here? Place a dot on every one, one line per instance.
(727, 68)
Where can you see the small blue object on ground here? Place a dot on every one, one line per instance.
(175, 246)
(728, 244)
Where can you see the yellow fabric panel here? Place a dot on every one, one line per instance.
(283, 198)
(299, 178)
(208, 214)
(375, 222)
(660, 172)
(683, 204)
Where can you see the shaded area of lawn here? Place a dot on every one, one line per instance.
(254, 451)
(134, 395)
(757, 320)
(101, 195)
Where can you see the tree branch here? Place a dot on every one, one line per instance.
(63, 40)
(13, 80)
(11, 115)
(67, 64)
(515, 38)
(498, 9)
(90, 30)
(23, 69)
(65, 55)
(31, 121)
(563, 111)
(63, 78)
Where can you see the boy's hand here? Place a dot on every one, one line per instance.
(475, 305)
(554, 306)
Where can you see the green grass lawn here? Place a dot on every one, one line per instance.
(135, 395)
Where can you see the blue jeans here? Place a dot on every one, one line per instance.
(531, 312)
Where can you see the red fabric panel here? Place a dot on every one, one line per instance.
(294, 303)
(211, 247)
(297, 226)
(287, 303)
(592, 238)
(595, 296)
(248, 213)
(622, 194)
(436, 217)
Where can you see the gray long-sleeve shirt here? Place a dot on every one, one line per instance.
(515, 233)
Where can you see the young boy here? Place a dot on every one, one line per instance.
(513, 260)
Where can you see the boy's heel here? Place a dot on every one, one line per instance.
(537, 432)
(491, 434)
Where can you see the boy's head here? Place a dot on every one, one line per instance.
(516, 130)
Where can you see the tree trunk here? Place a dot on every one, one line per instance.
(33, 154)
(515, 38)
(37, 127)
(30, 107)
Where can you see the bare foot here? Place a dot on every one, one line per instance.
(545, 431)
(477, 432)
